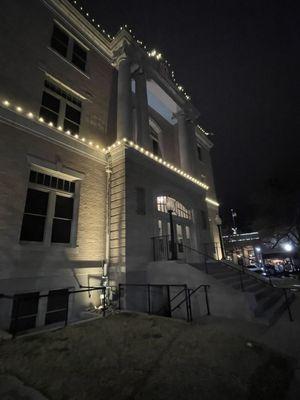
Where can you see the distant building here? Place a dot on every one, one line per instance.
(97, 141)
(244, 246)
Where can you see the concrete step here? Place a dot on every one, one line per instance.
(272, 314)
(248, 283)
(225, 274)
(255, 287)
(267, 302)
(264, 291)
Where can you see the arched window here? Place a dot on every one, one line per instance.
(164, 203)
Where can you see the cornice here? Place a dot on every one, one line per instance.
(74, 20)
(48, 134)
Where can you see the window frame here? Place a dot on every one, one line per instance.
(50, 215)
(61, 115)
(72, 41)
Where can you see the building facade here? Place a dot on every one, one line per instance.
(96, 142)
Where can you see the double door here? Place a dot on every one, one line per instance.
(182, 234)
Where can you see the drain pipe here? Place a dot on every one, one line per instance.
(108, 171)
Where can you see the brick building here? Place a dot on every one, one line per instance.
(97, 142)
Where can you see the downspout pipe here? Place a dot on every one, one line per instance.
(108, 170)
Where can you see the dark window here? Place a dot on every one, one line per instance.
(34, 216)
(155, 147)
(204, 219)
(62, 221)
(199, 150)
(140, 201)
(33, 176)
(79, 56)
(72, 187)
(59, 41)
(36, 209)
(62, 93)
(25, 308)
(52, 181)
(72, 119)
(50, 108)
(57, 307)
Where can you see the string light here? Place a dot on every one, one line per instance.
(30, 115)
(213, 202)
(153, 53)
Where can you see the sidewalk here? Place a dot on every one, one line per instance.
(283, 336)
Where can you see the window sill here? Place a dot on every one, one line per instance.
(41, 245)
(69, 62)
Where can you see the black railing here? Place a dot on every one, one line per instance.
(242, 271)
(157, 299)
(161, 250)
(188, 294)
(24, 315)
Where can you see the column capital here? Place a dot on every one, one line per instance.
(180, 115)
(120, 55)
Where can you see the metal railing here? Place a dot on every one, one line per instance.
(18, 316)
(161, 251)
(147, 298)
(242, 271)
(188, 294)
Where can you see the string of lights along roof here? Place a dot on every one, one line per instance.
(28, 114)
(151, 53)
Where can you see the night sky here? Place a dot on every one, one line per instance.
(239, 60)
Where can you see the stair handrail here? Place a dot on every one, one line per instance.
(242, 270)
(189, 294)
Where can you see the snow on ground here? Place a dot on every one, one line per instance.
(132, 356)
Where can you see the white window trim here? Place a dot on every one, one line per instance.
(59, 171)
(62, 108)
(72, 39)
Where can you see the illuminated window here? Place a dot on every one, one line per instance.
(48, 213)
(68, 47)
(60, 108)
(179, 209)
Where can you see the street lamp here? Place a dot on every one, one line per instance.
(288, 247)
(219, 225)
(170, 204)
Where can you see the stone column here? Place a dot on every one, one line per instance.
(184, 143)
(142, 114)
(124, 125)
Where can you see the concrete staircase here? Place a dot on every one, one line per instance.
(267, 303)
